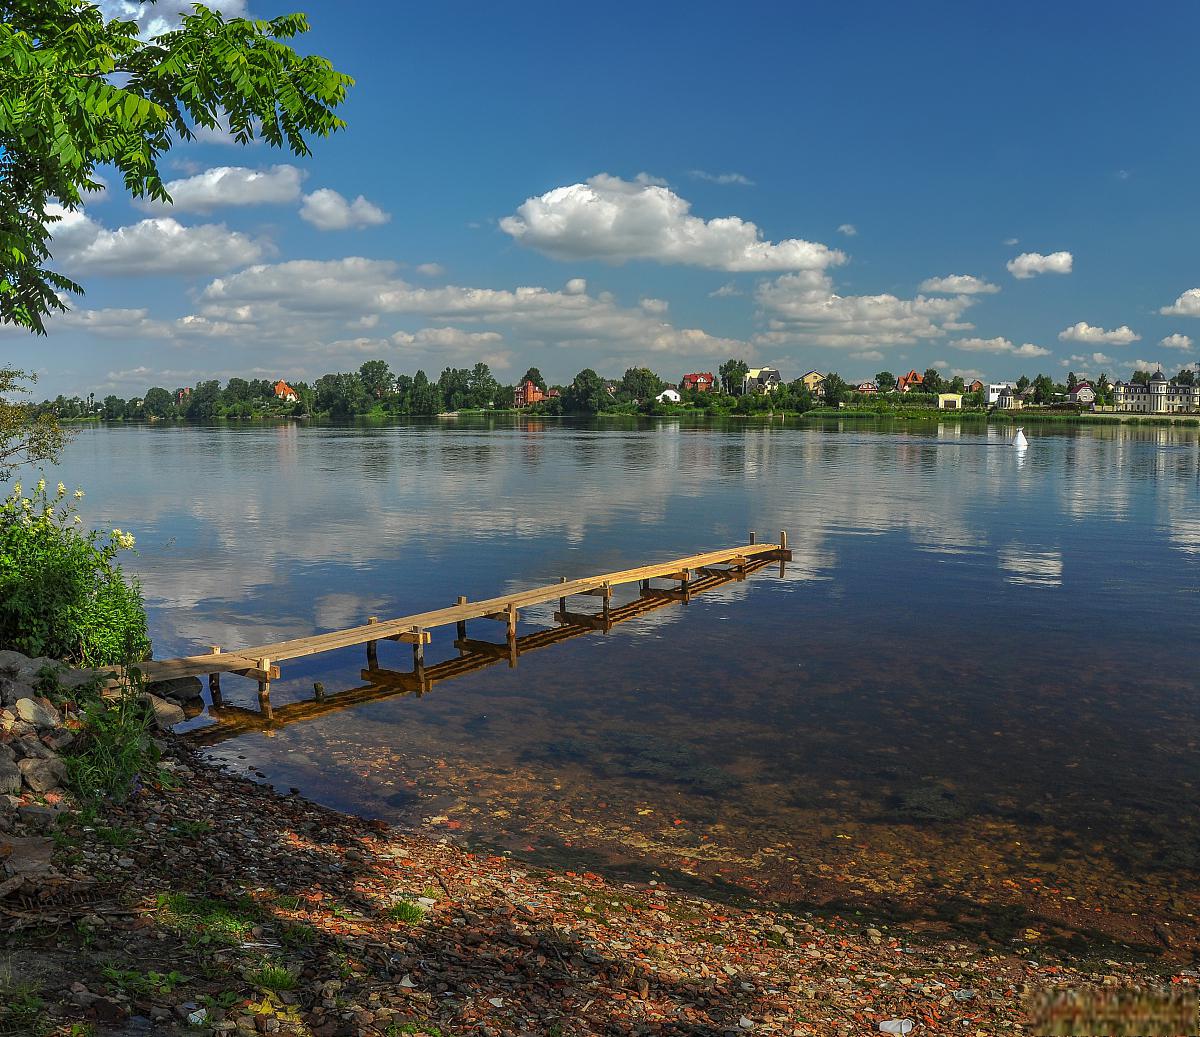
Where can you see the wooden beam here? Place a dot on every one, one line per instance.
(579, 619)
(483, 647)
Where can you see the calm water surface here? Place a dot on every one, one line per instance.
(971, 699)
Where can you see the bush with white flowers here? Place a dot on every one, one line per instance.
(62, 593)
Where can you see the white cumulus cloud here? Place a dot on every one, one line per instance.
(1030, 264)
(617, 220)
(999, 345)
(714, 178)
(848, 229)
(156, 18)
(1177, 341)
(325, 209)
(306, 297)
(231, 185)
(154, 246)
(1094, 358)
(1187, 305)
(1088, 333)
(803, 309)
(431, 269)
(959, 284)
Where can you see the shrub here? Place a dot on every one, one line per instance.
(116, 747)
(61, 592)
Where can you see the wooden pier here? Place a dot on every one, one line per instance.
(474, 656)
(261, 662)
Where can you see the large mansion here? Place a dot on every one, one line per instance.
(1159, 397)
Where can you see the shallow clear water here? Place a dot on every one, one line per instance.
(972, 697)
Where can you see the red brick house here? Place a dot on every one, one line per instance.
(526, 394)
(700, 382)
(285, 392)
(912, 380)
(975, 386)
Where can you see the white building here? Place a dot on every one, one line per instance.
(1159, 397)
(668, 396)
(760, 380)
(992, 392)
(1082, 393)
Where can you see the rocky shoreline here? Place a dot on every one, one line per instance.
(208, 903)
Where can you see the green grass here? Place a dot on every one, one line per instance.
(397, 1029)
(116, 837)
(192, 829)
(115, 751)
(22, 1010)
(270, 975)
(406, 911)
(299, 935)
(143, 984)
(203, 920)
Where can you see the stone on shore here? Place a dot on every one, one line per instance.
(12, 689)
(43, 775)
(39, 713)
(166, 714)
(10, 778)
(11, 662)
(177, 689)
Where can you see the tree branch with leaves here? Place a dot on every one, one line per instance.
(78, 91)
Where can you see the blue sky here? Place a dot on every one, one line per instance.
(991, 189)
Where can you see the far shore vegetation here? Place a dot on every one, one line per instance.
(375, 391)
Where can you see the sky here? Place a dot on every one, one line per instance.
(987, 189)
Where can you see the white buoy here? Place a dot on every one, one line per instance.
(1019, 440)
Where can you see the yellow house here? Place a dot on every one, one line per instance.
(950, 401)
(815, 382)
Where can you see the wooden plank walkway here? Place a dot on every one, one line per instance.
(475, 656)
(260, 662)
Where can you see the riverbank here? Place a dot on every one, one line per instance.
(1003, 417)
(211, 897)
(209, 903)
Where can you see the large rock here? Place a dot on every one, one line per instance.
(166, 714)
(69, 680)
(178, 689)
(39, 713)
(10, 778)
(31, 669)
(11, 662)
(12, 689)
(43, 775)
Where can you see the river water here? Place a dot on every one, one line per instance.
(970, 700)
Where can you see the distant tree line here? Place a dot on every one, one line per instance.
(375, 389)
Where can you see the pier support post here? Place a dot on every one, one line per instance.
(419, 655)
(214, 680)
(685, 586)
(264, 688)
(782, 553)
(372, 647)
(753, 537)
(318, 691)
(511, 639)
(461, 628)
(562, 603)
